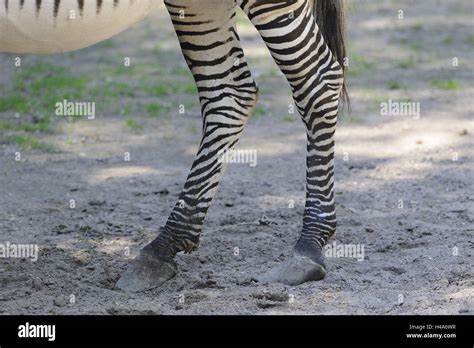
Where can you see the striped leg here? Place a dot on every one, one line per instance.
(211, 46)
(291, 33)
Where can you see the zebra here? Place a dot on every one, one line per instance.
(306, 40)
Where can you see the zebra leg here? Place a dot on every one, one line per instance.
(227, 92)
(291, 33)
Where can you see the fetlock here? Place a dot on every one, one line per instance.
(164, 247)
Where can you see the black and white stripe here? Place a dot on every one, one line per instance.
(211, 46)
(228, 93)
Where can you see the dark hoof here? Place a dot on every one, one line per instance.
(146, 272)
(297, 269)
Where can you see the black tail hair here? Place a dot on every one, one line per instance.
(331, 19)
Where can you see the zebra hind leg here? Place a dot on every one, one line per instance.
(291, 33)
(228, 94)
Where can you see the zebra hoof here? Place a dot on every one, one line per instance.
(297, 269)
(146, 272)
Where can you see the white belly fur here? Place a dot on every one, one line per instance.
(25, 31)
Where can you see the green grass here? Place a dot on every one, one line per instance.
(445, 84)
(416, 27)
(37, 88)
(42, 125)
(448, 40)
(142, 71)
(358, 65)
(156, 110)
(113, 90)
(132, 124)
(126, 110)
(414, 45)
(157, 50)
(259, 112)
(470, 40)
(163, 89)
(15, 102)
(288, 119)
(158, 90)
(406, 63)
(394, 84)
(57, 82)
(193, 129)
(110, 43)
(181, 71)
(186, 87)
(28, 142)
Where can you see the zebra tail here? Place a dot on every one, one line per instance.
(331, 19)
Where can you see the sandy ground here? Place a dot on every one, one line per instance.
(404, 185)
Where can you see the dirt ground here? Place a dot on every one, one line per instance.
(404, 184)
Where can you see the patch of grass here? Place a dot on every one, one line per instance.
(157, 50)
(43, 125)
(139, 70)
(193, 129)
(406, 63)
(158, 90)
(394, 84)
(181, 71)
(12, 126)
(40, 86)
(126, 110)
(16, 103)
(351, 119)
(359, 65)
(447, 40)
(163, 89)
(58, 82)
(259, 112)
(132, 124)
(186, 87)
(116, 89)
(414, 45)
(446, 84)
(110, 43)
(470, 40)
(156, 110)
(40, 68)
(28, 142)
(288, 119)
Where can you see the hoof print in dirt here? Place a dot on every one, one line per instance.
(271, 299)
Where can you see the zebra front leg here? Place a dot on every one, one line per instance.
(298, 46)
(227, 92)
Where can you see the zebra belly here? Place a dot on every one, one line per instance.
(51, 26)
